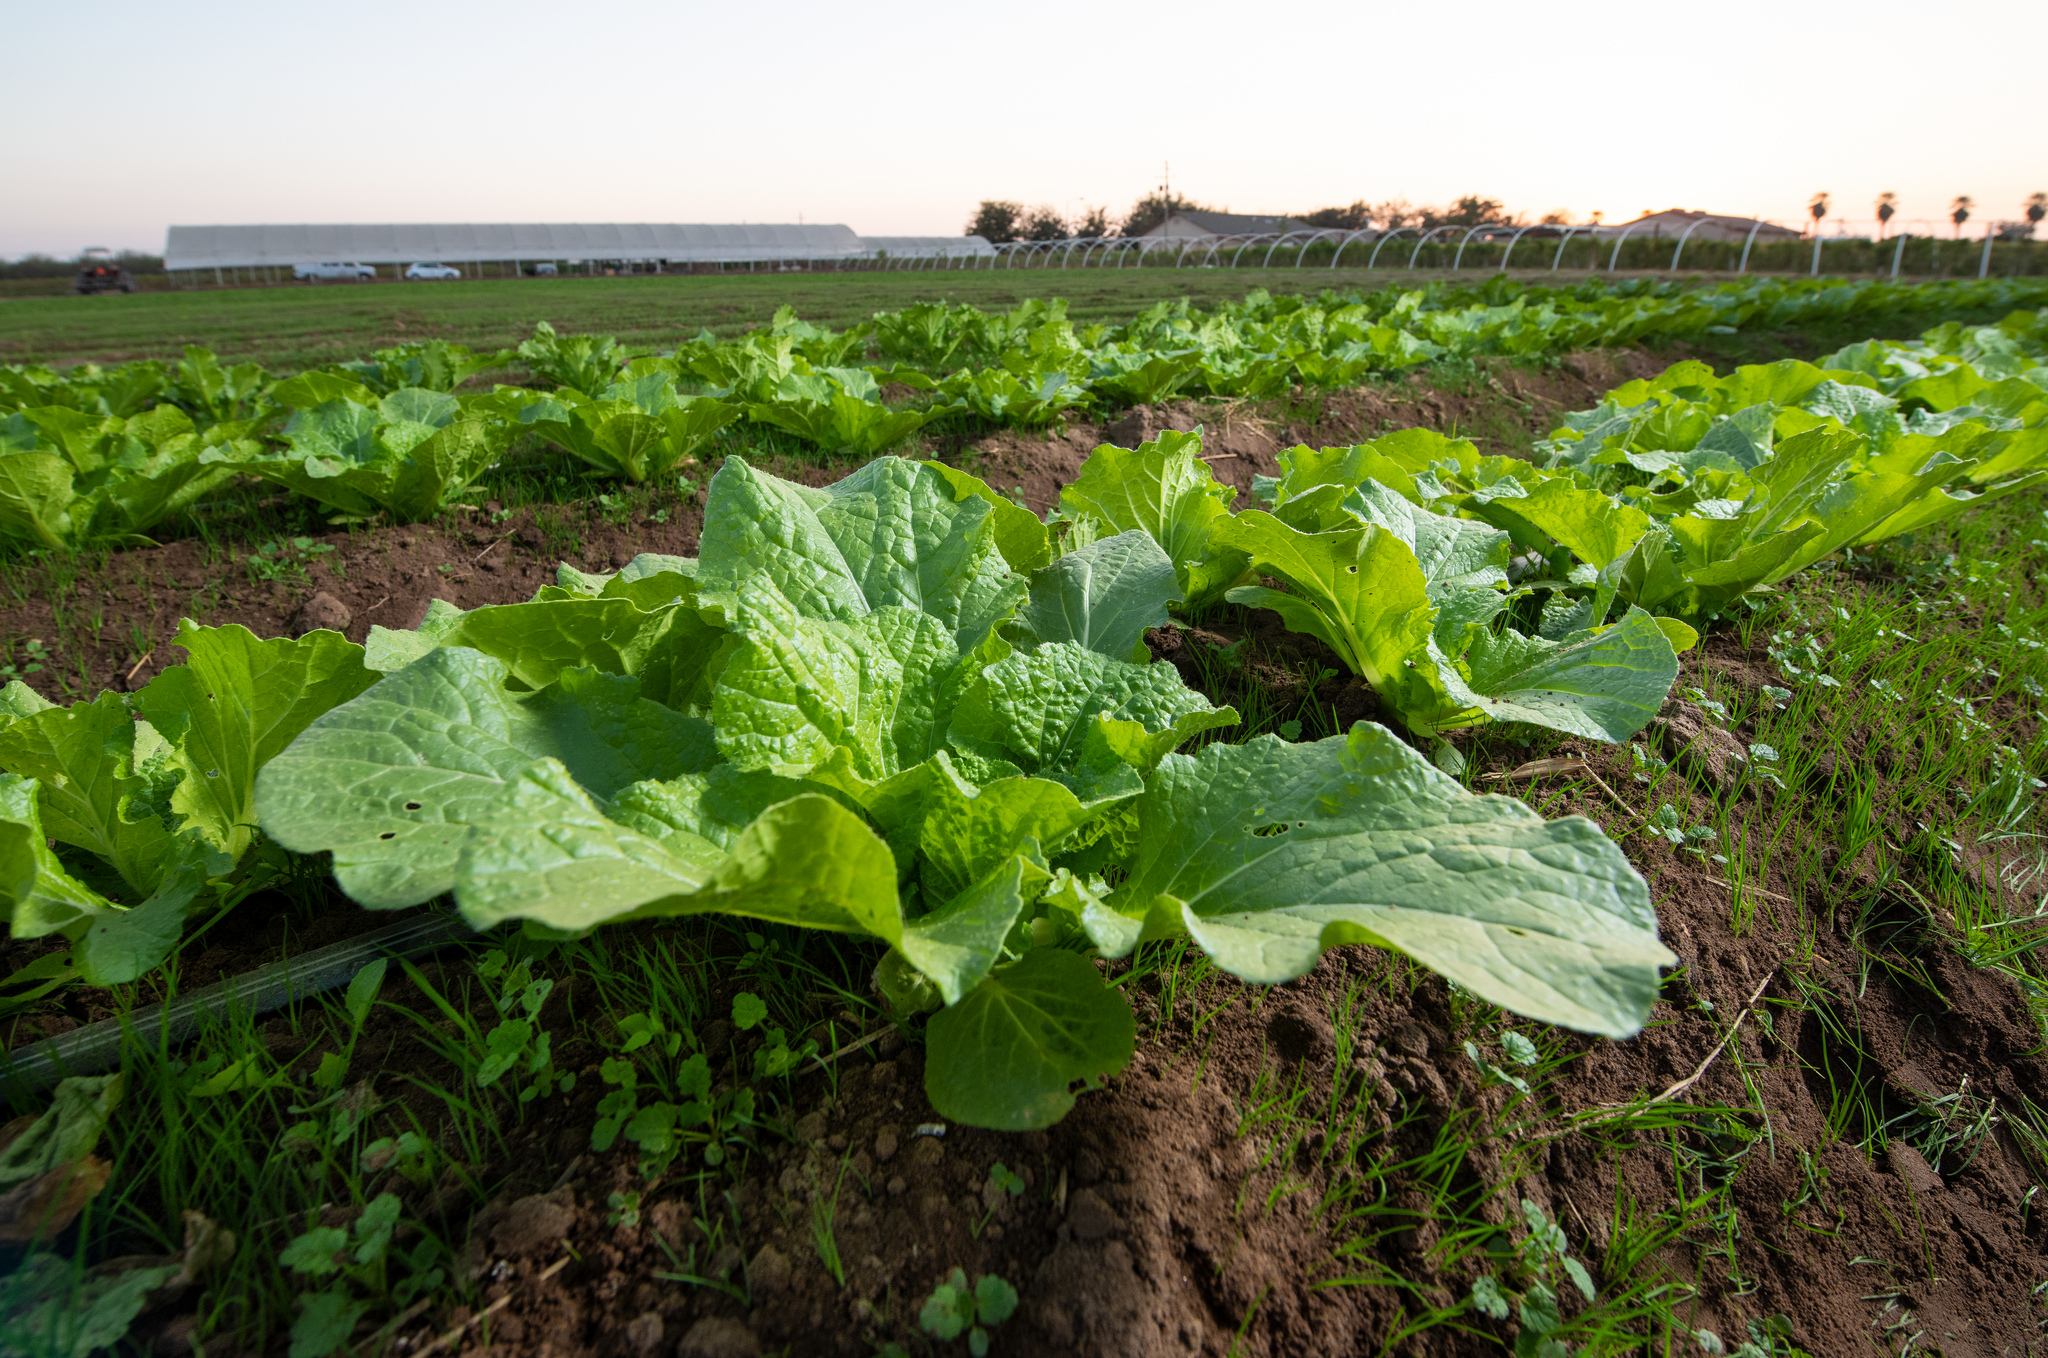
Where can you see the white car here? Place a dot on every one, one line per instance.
(431, 271)
(321, 273)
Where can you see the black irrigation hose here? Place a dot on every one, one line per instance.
(96, 1047)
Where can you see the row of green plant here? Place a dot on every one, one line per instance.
(1951, 634)
(903, 707)
(99, 455)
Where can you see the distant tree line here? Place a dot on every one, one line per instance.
(49, 266)
(998, 220)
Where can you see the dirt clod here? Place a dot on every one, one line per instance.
(1090, 1217)
(533, 1223)
(719, 1337)
(770, 1270)
(322, 612)
(644, 1333)
(1910, 1165)
(1697, 745)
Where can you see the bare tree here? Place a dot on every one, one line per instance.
(1887, 207)
(1959, 211)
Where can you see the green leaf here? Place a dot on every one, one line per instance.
(747, 1010)
(234, 707)
(39, 896)
(1043, 711)
(1361, 592)
(1102, 597)
(326, 1323)
(890, 534)
(1006, 1055)
(546, 853)
(1165, 489)
(995, 1301)
(1020, 536)
(1606, 686)
(362, 991)
(35, 498)
(121, 945)
(1595, 528)
(105, 782)
(1269, 852)
(391, 781)
(1453, 554)
(66, 1131)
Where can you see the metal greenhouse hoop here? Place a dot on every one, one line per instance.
(1509, 252)
(1747, 241)
(1676, 249)
(1424, 241)
(1490, 226)
(1564, 240)
(1615, 258)
(1249, 241)
(1346, 241)
(1382, 244)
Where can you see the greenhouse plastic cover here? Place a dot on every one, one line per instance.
(206, 247)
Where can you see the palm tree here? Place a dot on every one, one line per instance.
(1887, 205)
(1959, 211)
(1819, 208)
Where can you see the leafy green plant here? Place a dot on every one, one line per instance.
(354, 1261)
(408, 453)
(954, 1309)
(516, 1045)
(1539, 1266)
(815, 725)
(148, 795)
(638, 429)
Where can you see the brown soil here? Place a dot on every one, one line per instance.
(1159, 1218)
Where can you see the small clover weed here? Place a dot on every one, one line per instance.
(954, 1309)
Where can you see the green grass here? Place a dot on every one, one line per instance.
(291, 327)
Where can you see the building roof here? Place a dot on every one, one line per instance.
(1712, 225)
(197, 247)
(926, 247)
(1192, 222)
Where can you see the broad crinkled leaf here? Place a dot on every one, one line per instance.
(1360, 591)
(1104, 596)
(38, 895)
(1270, 852)
(234, 706)
(1454, 554)
(1039, 710)
(107, 782)
(1607, 686)
(392, 780)
(891, 534)
(1164, 488)
(1007, 1055)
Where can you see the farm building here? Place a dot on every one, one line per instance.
(1191, 222)
(1673, 222)
(470, 246)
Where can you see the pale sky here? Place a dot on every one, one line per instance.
(895, 117)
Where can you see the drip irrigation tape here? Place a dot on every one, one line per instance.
(97, 1047)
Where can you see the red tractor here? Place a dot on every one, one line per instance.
(99, 271)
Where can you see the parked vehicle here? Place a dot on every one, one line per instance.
(431, 271)
(324, 273)
(99, 271)
(545, 269)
